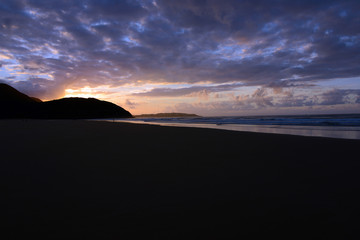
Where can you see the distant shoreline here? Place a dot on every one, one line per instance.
(346, 126)
(166, 115)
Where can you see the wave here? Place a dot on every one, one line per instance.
(299, 120)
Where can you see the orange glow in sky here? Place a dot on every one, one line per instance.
(85, 92)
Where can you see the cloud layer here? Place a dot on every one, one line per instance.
(49, 46)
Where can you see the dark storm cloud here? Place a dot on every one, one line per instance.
(321, 28)
(262, 43)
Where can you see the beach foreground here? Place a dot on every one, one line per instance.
(75, 179)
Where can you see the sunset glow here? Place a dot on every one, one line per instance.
(85, 92)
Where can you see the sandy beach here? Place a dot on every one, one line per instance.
(75, 179)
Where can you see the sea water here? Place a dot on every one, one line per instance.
(345, 126)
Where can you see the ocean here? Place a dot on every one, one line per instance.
(345, 126)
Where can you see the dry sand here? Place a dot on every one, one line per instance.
(84, 179)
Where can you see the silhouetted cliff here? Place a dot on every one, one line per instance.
(14, 104)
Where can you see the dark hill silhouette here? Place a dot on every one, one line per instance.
(36, 99)
(82, 108)
(11, 95)
(14, 104)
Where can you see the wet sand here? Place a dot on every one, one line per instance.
(76, 179)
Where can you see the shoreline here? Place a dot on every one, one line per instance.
(338, 132)
(73, 179)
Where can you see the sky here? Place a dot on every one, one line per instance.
(208, 57)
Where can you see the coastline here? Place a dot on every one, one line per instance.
(341, 132)
(76, 179)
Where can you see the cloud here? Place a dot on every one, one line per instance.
(263, 98)
(130, 104)
(249, 43)
(263, 101)
(176, 92)
(341, 96)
